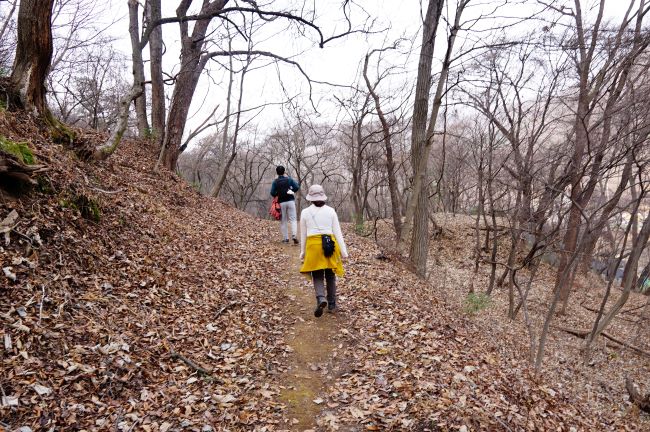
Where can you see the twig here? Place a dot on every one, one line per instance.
(584, 333)
(105, 191)
(190, 363)
(40, 308)
(15, 231)
(118, 419)
(617, 316)
(135, 423)
(225, 308)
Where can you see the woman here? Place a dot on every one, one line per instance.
(317, 221)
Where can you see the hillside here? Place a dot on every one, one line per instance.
(140, 305)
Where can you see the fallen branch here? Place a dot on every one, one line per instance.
(190, 363)
(642, 402)
(633, 309)
(15, 170)
(626, 345)
(617, 316)
(583, 333)
(577, 333)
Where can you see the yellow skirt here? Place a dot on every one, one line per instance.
(315, 259)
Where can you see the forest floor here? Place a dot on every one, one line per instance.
(130, 302)
(600, 382)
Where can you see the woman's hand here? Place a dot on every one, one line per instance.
(302, 257)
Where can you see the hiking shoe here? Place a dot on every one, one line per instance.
(332, 309)
(285, 241)
(295, 241)
(318, 312)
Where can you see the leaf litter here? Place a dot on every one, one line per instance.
(170, 314)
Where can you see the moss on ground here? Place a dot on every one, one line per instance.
(88, 207)
(19, 150)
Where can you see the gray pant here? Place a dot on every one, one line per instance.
(320, 277)
(288, 214)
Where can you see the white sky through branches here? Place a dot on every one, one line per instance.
(338, 63)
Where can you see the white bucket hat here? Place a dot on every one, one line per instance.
(316, 193)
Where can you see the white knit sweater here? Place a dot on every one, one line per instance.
(320, 220)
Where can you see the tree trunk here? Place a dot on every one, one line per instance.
(33, 55)
(108, 148)
(157, 84)
(594, 234)
(422, 133)
(390, 163)
(616, 262)
(477, 222)
(138, 69)
(192, 62)
(31, 65)
(629, 279)
(493, 218)
(588, 91)
(225, 168)
(418, 200)
(357, 168)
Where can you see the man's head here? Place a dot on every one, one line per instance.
(279, 170)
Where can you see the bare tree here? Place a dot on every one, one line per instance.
(195, 54)
(602, 78)
(424, 124)
(387, 135)
(7, 36)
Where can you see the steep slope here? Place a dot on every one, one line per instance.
(140, 305)
(103, 312)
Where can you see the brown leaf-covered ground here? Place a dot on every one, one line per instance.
(170, 311)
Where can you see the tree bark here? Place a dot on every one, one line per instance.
(33, 55)
(422, 133)
(420, 237)
(493, 218)
(31, 66)
(138, 69)
(480, 210)
(108, 148)
(158, 108)
(192, 62)
(357, 168)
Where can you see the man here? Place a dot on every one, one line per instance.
(284, 187)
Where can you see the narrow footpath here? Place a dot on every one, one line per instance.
(314, 360)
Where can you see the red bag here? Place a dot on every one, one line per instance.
(276, 210)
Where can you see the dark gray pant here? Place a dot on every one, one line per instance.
(320, 277)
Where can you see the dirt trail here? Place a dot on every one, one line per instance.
(314, 362)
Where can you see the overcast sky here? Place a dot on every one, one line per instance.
(337, 63)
